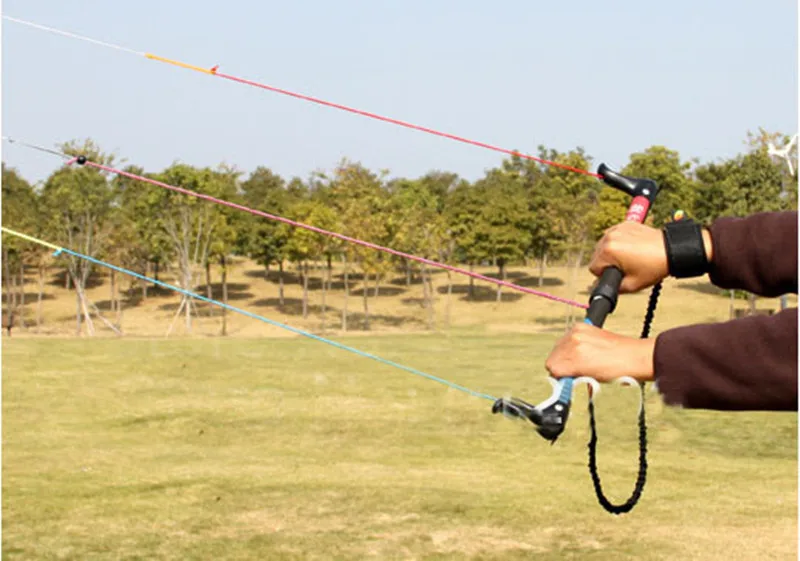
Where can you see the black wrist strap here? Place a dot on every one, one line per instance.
(686, 254)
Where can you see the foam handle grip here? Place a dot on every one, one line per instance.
(604, 296)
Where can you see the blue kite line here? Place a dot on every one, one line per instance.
(278, 324)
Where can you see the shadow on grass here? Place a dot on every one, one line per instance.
(533, 282)
(703, 288)
(314, 282)
(291, 306)
(479, 293)
(382, 291)
(355, 321)
(30, 297)
(59, 279)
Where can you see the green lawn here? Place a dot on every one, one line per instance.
(287, 449)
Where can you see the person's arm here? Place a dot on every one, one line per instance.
(757, 253)
(743, 364)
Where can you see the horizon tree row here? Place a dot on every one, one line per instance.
(518, 212)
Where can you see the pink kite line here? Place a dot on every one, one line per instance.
(339, 236)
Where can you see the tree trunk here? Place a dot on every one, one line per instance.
(85, 307)
(12, 288)
(449, 295)
(408, 273)
(7, 271)
(574, 285)
(752, 298)
(377, 285)
(326, 281)
(209, 292)
(21, 287)
(346, 291)
(224, 266)
(187, 283)
(427, 289)
(66, 280)
(144, 283)
(471, 290)
(280, 284)
(502, 266)
(39, 298)
(118, 319)
(366, 301)
(112, 288)
(304, 272)
(77, 311)
(542, 265)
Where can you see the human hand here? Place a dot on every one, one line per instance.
(593, 352)
(637, 250)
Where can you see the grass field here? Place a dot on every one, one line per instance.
(245, 448)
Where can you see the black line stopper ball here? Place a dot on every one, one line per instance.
(81, 160)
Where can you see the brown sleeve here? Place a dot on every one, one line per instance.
(757, 253)
(743, 364)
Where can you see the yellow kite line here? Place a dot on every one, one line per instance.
(31, 238)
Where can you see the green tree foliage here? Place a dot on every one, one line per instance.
(79, 208)
(359, 196)
(265, 240)
(20, 208)
(192, 225)
(304, 245)
(520, 210)
(144, 238)
(745, 185)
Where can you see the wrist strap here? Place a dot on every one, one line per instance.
(686, 253)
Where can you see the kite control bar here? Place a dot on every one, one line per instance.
(550, 416)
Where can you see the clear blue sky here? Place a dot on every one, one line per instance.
(613, 77)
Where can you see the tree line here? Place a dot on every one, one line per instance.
(519, 212)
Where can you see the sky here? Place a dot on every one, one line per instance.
(612, 77)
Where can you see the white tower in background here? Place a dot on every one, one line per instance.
(784, 153)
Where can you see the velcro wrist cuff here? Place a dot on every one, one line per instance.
(686, 253)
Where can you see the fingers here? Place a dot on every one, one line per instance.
(566, 358)
(606, 250)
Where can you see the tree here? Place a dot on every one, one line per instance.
(360, 200)
(541, 196)
(304, 245)
(745, 185)
(77, 203)
(416, 226)
(190, 223)
(229, 225)
(143, 241)
(503, 231)
(462, 216)
(574, 208)
(21, 212)
(787, 163)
